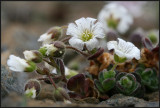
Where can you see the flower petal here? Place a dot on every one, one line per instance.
(92, 43)
(77, 43)
(112, 45)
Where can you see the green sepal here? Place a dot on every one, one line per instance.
(32, 67)
(119, 59)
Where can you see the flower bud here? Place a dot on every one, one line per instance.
(20, 65)
(32, 88)
(31, 68)
(51, 35)
(56, 49)
(61, 48)
(33, 55)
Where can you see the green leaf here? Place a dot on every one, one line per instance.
(119, 75)
(108, 84)
(139, 70)
(100, 77)
(99, 86)
(109, 74)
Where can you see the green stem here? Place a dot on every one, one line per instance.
(56, 86)
(114, 66)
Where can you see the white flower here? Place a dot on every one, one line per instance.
(86, 31)
(115, 16)
(31, 92)
(29, 55)
(50, 48)
(124, 49)
(17, 64)
(51, 35)
(134, 7)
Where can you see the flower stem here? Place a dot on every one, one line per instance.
(52, 81)
(83, 53)
(65, 39)
(56, 86)
(52, 63)
(115, 65)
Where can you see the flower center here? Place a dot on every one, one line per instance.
(112, 22)
(86, 36)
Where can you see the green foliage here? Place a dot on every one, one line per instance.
(149, 78)
(106, 81)
(127, 84)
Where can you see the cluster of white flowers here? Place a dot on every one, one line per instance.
(86, 31)
(115, 17)
(124, 49)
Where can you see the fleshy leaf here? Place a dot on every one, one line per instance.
(109, 74)
(119, 75)
(99, 86)
(100, 77)
(108, 84)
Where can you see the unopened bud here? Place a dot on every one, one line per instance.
(56, 49)
(51, 35)
(61, 49)
(32, 66)
(33, 55)
(32, 88)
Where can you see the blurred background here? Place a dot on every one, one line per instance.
(23, 22)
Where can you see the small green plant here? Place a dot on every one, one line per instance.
(106, 81)
(128, 84)
(149, 78)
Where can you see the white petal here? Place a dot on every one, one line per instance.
(29, 55)
(92, 43)
(73, 30)
(134, 53)
(112, 45)
(16, 63)
(77, 43)
(119, 53)
(44, 37)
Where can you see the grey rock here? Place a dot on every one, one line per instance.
(120, 100)
(11, 82)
